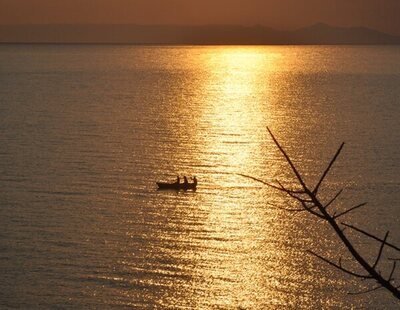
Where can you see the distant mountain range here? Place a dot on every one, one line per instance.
(210, 34)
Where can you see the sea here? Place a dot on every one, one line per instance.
(86, 131)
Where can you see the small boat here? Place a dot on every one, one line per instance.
(177, 186)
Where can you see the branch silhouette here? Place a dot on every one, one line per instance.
(311, 203)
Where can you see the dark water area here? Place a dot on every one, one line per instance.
(87, 130)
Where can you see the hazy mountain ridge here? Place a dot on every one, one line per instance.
(209, 34)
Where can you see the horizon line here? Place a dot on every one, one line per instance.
(256, 25)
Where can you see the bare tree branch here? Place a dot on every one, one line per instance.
(392, 272)
(303, 202)
(327, 169)
(299, 178)
(333, 199)
(291, 193)
(380, 251)
(309, 201)
(349, 210)
(313, 205)
(256, 179)
(270, 184)
(287, 209)
(340, 267)
(367, 291)
(370, 235)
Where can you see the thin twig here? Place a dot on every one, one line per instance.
(349, 210)
(292, 193)
(392, 272)
(371, 236)
(268, 184)
(367, 291)
(327, 169)
(340, 267)
(302, 201)
(333, 199)
(288, 209)
(289, 161)
(256, 179)
(380, 251)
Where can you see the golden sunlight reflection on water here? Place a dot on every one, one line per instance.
(239, 259)
(234, 114)
(242, 252)
(248, 251)
(131, 115)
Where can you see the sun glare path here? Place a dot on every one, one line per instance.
(236, 85)
(235, 116)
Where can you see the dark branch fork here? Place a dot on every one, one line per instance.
(312, 204)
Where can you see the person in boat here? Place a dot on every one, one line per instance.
(178, 180)
(194, 181)
(185, 180)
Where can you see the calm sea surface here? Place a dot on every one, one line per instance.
(85, 131)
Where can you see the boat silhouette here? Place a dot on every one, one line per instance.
(177, 185)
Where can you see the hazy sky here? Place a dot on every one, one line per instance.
(284, 14)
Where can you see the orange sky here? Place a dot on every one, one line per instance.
(283, 14)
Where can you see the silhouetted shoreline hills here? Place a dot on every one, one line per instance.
(209, 34)
(325, 34)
